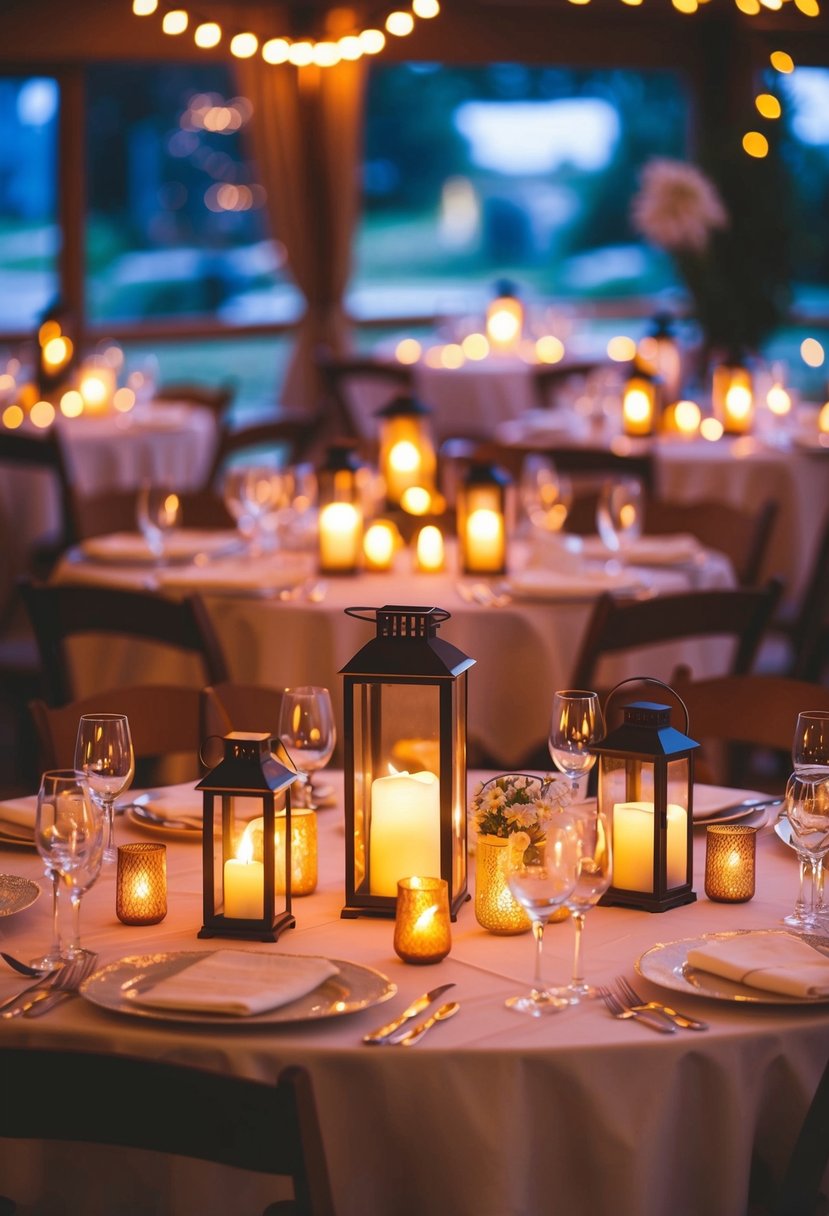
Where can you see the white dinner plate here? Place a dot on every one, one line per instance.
(16, 893)
(720, 804)
(353, 988)
(666, 964)
(180, 545)
(144, 818)
(538, 584)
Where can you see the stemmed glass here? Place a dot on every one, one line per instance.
(806, 806)
(595, 869)
(546, 494)
(307, 729)
(810, 746)
(577, 722)
(103, 752)
(619, 513)
(541, 876)
(69, 834)
(264, 490)
(158, 511)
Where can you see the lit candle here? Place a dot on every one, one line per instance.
(638, 407)
(403, 469)
(732, 399)
(97, 385)
(633, 839)
(504, 323)
(379, 544)
(823, 419)
(244, 884)
(485, 541)
(141, 884)
(303, 849)
(430, 549)
(405, 829)
(340, 529)
(421, 924)
(729, 862)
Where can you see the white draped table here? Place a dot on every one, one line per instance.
(494, 1114)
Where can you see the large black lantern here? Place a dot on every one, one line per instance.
(645, 786)
(404, 720)
(240, 889)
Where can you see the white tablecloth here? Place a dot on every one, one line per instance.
(494, 1114)
(524, 650)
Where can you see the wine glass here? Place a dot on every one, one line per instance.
(541, 876)
(158, 511)
(103, 751)
(810, 746)
(546, 494)
(577, 722)
(307, 729)
(806, 806)
(595, 869)
(619, 513)
(69, 832)
(264, 490)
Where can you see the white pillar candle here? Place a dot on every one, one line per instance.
(244, 885)
(405, 829)
(340, 529)
(379, 544)
(638, 409)
(633, 833)
(485, 541)
(430, 549)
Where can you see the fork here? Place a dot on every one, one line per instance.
(67, 981)
(632, 998)
(617, 1010)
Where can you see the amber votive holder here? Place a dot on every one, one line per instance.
(730, 852)
(141, 884)
(421, 924)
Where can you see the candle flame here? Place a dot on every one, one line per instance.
(425, 919)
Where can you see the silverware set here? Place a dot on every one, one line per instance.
(50, 990)
(626, 1003)
(389, 1034)
(485, 594)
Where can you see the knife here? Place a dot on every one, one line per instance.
(383, 1034)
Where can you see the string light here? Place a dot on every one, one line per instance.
(301, 52)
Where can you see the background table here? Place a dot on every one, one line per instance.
(494, 1113)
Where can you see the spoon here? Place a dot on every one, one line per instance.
(23, 968)
(440, 1015)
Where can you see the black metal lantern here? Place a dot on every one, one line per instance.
(482, 519)
(641, 402)
(240, 891)
(407, 450)
(404, 720)
(645, 786)
(340, 510)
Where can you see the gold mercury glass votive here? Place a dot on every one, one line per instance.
(141, 884)
(730, 851)
(303, 849)
(421, 923)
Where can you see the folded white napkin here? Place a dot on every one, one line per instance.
(667, 550)
(234, 576)
(562, 585)
(186, 803)
(775, 962)
(19, 811)
(180, 544)
(238, 983)
(711, 800)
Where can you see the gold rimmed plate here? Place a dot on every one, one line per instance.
(16, 894)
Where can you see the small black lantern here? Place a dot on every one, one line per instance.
(239, 890)
(341, 515)
(407, 449)
(645, 786)
(404, 720)
(482, 519)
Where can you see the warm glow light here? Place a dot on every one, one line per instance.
(350, 47)
(71, 404)
(687, 416)
(94, 388)
(326, 54)
(123, 400)
(243, 46)
(56, 353)
(399, 24)
(738, 401)
(637, 405)
(408, 350)
(42, 414)
(768, 105)
(778, 400)
(822, 419)
(750, 7)
(425, 8)
(685, 6)
(430, 549)
(451, 355)
(416, 500)
(207, 34)
(7, 382)
(755, 144)
(812, 352)
(549, 349)
(379, 544)
(175, 22)
(782, 61)
(404, 457)
(809, 8)
(711, 428)
(144, 8)
(12, 417)
(774, 5)
(621, 349)
(579, 1)
(475, 346)
(276, 50)
(47, 331)
(434, 356)
(372, 41)
(504, 325)
(301, 54)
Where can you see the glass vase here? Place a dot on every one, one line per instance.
(495, 907)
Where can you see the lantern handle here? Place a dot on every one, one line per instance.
(365, 613)
(649, 680)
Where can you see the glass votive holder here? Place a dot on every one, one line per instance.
(421, 923)
(141, 884)
(730, 851)
(303, 849)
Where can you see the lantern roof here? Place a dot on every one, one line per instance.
(645, 731)
(403, 406)
(486, 473)
(406, 644)
(248, 767)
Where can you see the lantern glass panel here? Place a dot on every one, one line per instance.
(238, 874)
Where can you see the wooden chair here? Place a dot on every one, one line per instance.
(43, 452)
(622, 625)
(356, 387)
(61, 612)
(176, 1109)
(749, 714)
(114, 511)
(230, 705)
(742, 535)
(217, 398)
(586, 466)
(803, 628)
(165, 727)
(288, 437)
(549, 379)
(801, 1190)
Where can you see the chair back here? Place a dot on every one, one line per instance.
(811, 632)
(741, 534)
(59, 613)
(115, 511)
(43, 452)
(550, 378)
(287, 438)
(228, 705)
(742, 614)
(217, 398)
(165, 1107)
(356, 387)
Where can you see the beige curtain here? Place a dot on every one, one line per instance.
(307, 128)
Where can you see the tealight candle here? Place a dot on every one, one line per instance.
(141, 884)
(730, 851)
(732, 398)
(485, 541)
(633, 832)
(639, 407)
(379, 544)
(430, 550)
(405, 829)
(340, 536)
(244, 884)
(422, 931)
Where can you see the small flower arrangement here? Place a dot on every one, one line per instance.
(518, 802)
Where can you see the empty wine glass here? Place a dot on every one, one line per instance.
(810, 746)
(541, 876)
(103, 752)
(619, 513)
(158, 511)
(577, 722)
(546, 494)
(234, 498)
(264, 493)
(69, 833)
(595, 869)
(806, 806)
(308, 732)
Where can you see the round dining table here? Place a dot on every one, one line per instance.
(493, 1113)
